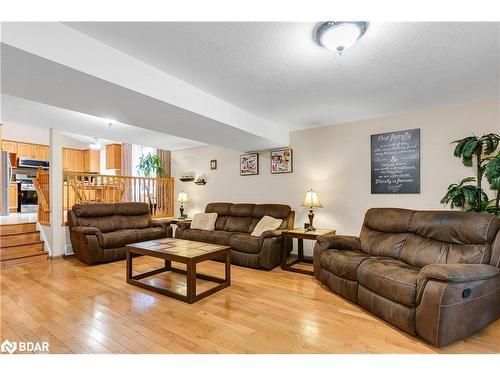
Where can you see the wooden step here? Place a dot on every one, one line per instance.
(35, 258)
(19, 238)
(20, 251)
(17, 228)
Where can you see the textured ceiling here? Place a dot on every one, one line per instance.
(277, 71)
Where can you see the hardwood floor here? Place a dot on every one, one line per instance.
(81, 309)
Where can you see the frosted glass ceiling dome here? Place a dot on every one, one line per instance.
(339, 36)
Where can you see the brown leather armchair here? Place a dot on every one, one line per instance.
(431, 273)
(99, 232)
(234, 224)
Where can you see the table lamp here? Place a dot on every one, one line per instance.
(311, 200)
(182, 198)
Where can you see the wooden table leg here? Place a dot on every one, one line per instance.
(191, 281)
(228, 268)
(284, 250)
(300, 251)
(168, 265)
(129, 265)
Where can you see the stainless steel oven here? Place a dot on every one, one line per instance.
(27, 199)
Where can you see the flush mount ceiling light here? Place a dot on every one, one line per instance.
(94, 144)
(340, 35)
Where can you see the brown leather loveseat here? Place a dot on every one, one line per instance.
(234, 224)
(431, 273)
(99, 232)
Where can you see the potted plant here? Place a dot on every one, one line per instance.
(493, 176)
(475, 152)
(150, 165)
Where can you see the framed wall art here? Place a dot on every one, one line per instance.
(282, 161)
(249, 164)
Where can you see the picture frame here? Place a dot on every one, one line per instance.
(281, 161)
(213, 164)
(249, 164)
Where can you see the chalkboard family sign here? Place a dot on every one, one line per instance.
(395, 162)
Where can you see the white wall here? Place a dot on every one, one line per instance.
(335, 161)
(34, 134)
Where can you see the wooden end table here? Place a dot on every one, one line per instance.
(182, 251)
(301, 235)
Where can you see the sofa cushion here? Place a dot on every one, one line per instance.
(265, 224)
(151, 233)
(222, 210)
(218, 237)
(238, 224)
(103, 223)
(204, 221)
(343, 263)
(93, 209)
(138, 221)
(390, 278)
(449, 237)
(132, 208)
(244, 243)
(240, 218)
(118, 238)
(384, 231)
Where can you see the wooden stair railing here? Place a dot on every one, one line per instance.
(42, 188)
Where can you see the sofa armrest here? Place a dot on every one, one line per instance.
(271, 233)
(457, 273)
(86, 230)
(184, 224)
(332, 241)
(163, 223)
(455, 300)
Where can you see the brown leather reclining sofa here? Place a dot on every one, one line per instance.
(431, 273)
(99, 232)
(234, 224)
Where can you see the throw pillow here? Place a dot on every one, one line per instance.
(265, 224)
(204, 221)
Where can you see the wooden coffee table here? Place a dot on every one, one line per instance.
(182, 251)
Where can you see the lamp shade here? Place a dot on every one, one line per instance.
(182, 197)
(311, 199)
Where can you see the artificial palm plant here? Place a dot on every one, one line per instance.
(493, 176)
(462, 195)
(475, 152)
(150, 165)
(476, 147)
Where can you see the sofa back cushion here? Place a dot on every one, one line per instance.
(222, 210)
(385, 231)
(240, 218)
(449, 237)
(109, 217)
(277, 211)
(133, 215)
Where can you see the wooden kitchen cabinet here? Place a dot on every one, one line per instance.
(91, 161)
(40, 152)
(13, 197)
(25, 150)
(73, 160)
(114, 156)
(9, 146)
